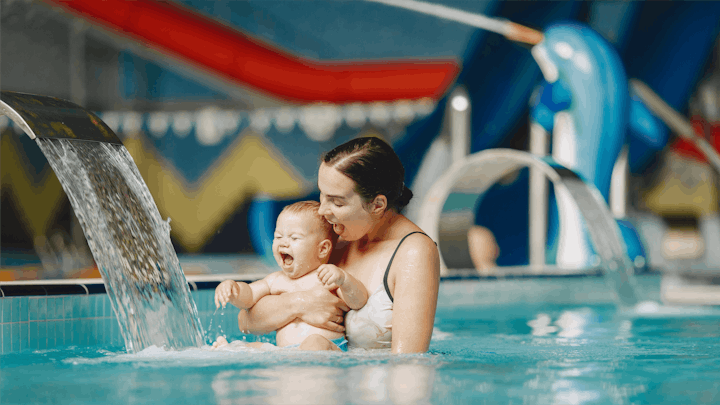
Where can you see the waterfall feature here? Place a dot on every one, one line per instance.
(127, 237)
(447, 212)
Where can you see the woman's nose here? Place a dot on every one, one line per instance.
(323, 210)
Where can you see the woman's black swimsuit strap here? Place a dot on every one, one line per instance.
(387, 271)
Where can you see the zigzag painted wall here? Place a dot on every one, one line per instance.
(201, 167)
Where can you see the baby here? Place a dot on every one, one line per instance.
(302, 246)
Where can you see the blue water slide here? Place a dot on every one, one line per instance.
(584, 101)
(499, 77)
(668, 50)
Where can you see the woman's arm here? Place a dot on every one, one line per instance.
(317, 307)
(414, 280)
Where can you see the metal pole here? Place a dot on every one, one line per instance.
(459, 124)
(78, 87)
(538, 204)
(675, 121)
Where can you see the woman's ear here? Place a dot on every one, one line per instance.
(378, 205)
(324, 249)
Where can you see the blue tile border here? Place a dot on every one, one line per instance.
(7, 337)
(33, 313)
(33, 335)
(42, 336)
(23, 309)
(23, 336)
(15, 336)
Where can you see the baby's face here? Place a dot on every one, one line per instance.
(296, 245)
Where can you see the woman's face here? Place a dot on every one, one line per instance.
(341, 205)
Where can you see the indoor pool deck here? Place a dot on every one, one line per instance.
(36, 315)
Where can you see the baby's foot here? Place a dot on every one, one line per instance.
(220, 342)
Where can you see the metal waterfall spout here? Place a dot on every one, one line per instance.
(129, 240)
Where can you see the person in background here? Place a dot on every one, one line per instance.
(484, 250)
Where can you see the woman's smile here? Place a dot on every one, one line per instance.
(338, 228)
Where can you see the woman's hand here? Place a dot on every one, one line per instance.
(225, 292)
(319, 307)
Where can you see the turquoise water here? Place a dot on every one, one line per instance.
(504, 354)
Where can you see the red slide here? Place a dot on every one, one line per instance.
(177, 31)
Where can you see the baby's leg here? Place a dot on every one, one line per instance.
(317, 342)
(261, 345)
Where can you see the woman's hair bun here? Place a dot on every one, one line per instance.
(405, 196)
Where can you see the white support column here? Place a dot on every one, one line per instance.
(619, 185)
(459, 124)
(538, 199)
(78, 85)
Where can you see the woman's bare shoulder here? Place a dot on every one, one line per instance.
(417, 246)
(405, 227)
(416, 260)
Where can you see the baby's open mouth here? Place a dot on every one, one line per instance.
(286, 258)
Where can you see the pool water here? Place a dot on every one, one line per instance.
(509, 354)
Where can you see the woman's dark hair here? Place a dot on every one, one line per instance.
(374, 167)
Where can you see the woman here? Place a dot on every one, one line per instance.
(362, 192)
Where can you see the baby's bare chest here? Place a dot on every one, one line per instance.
(285, 284)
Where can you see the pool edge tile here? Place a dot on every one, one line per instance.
(15, 337)
(42, 339)
(7, 338)
(33, 309)
(24, 305)
(33, 335)
(24, 343)
(42, 308)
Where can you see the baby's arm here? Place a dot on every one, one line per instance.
(240, 294)
(349, 289)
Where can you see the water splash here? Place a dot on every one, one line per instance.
(215, 329)
(129, 241)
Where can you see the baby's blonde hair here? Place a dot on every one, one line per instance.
(311, 209)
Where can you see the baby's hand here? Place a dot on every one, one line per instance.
(332, 276)
(224, 292)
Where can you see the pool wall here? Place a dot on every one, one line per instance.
(46, 322)
(53, 320)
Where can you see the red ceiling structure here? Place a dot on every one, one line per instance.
(174, 30)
